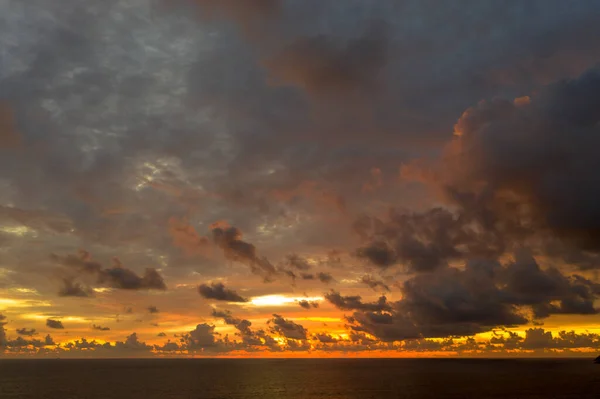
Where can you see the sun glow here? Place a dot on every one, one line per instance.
(281, 300)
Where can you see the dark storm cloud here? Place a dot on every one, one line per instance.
(72, 288)
(287, 328)
(424, 241)
(483, 296)
(218, 291)
(116, 276)
(26, 332)
(91, 170)
(354, 302)
(54, 324)
(100, 328)
(524, 170)
(229, 239)
(547, 291)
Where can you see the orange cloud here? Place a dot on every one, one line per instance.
(186, 237)
(9, 137)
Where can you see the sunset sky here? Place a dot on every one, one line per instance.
(299, 178)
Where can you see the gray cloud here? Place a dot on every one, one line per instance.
(100, 328)
(116, 134)
(354, 302)
(26, 332)
(116, 276)
(202, 337)
(308, 304)
(250, 338)
(287, 328)
(54, 324)
(234, 248)
(296, 262)
(485, 295)
(373, 283)
(218, 291)
(72, 288)
(325, 277)
(502, 182)
(321, 67)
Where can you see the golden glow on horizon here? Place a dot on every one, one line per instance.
(38, 316)
(26, 290)
(281, 300)
(17, 230)
(7, 303)
(102, 289)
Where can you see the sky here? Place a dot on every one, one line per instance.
(299, 178)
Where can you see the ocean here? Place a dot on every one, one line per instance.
(302, 379)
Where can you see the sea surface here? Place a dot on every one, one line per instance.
(302, 379)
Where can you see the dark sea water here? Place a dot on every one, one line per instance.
(303, 379)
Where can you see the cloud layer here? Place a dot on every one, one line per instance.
(335, 178)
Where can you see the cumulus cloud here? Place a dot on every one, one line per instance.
(308, 304)
(250, 338)
(291, 131)
(229, 239)
(486, 294)
(498, 177)
(287, 328)
(297, 262)
(116, 276)
(132, 343)
(373, 283)
(201, 338)
(26, 332)
(424, 241)
(57, 324)
(354, 302)
(72, 288)
(100, 328)
(218, 292)
(20, 343)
